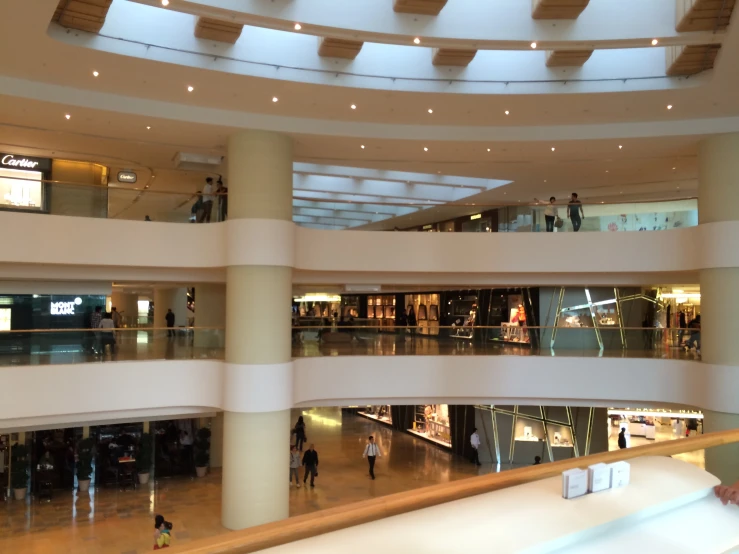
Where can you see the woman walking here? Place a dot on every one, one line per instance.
(299, 431)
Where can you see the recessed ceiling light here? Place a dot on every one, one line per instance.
(507, 112)
(190, 89)
(67, 116)
(425, 149)
(298, 26)
(620, 146)
(148, 127)
(673, 169)
(275, 99)
(606, 171)
(354, 106)
(552, 148)
(95, 73)
(416, 40)
(655, 42)
(362, 147)
(165, 3)
(533, 45)
(488, 149)
(431, 111)
(669, 106)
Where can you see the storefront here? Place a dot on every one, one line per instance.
(381, 413)
(22, 182)
(431, 422)
(642, 426)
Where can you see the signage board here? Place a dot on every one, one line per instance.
(127, 177)
(24, 163)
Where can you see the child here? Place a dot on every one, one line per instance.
(164, 536)
(294, 465)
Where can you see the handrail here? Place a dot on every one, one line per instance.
(342, 517)
(124, 329)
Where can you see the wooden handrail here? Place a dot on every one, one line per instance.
(342, 517)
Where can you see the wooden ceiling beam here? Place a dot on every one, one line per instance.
(453, 56)
(557, 9)
(421, 7)
(330, 47)
(83, 15)
(568, 58)
(689, 60)
(215, 29)
(703, 15)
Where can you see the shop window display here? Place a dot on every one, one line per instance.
(379, 413)
(515, 329)
(432, 422)
(426, 307)
(657, 425)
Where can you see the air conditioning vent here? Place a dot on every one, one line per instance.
(197, 162)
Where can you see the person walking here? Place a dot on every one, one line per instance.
(475, 443)
(575, 211)
(695, 334)
(371, 452)
(294, 466)
(222, 191)
(622, 438)
(208, 199)
(551, 213)
(537, 460)
(95, 318)
(310, 461)
(412, 321)
(107, 333)
(300, 436)
(169, 318)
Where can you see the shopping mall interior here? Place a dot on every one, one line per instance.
(440, 262)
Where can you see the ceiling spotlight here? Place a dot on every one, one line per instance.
(655, 42)
(669, 106)
(488, 149)
(165, 3)
(148, 127)
(620, 146)
(67, 116)
(552, 148)
(298, 26)
(606, 171)
(425, 149)
(431, 111)
(673, 169)
(275, 99)
(507, 112)
(354, 106)
(95, 73)
(362, 147)
(533, 45)
(416, 40)
(190, 89)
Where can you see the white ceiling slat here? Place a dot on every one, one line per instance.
(689, 60)
(453, 56)
(703, 15)
(330, 47)
(568, 58)
(215, 29)
(421, 7)
(83, 15)
(557, 9)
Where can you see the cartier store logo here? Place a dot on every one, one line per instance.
(11, 161)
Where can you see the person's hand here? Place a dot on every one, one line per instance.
(727, 494)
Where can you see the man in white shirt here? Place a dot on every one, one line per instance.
(475, 442)
(371, 452)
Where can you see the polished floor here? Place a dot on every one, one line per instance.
(156, 345)
(662, 433)
(120, 522)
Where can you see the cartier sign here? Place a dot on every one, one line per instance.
(127, 177)
(12, 161)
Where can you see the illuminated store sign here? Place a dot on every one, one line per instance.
(11, 161)
(476, 216)
(64, 308)
(127, 177)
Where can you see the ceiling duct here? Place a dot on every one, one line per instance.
(197, 162)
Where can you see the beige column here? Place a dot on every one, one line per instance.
(210, 311)
(216, 440)
(174, 299)
(718, 197)
(127, 305)
(256, 423)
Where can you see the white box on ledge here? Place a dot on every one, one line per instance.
(620, 474)
(599, 477)
(574, 483)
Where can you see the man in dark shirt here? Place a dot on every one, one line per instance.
(310, 461)
(574, 211)
(170, 323)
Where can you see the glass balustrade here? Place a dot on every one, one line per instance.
(142, 202)
(69, 346)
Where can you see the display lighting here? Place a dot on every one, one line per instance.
(669, 106)
(190, 88)
(533, 45)
(507, 112)
(95, 73)
(416, 40)
(686, 295)
(275, 99)
(362, 147)
(148, 127)
(553, 148)
(310, 297)
(67, 116)
(431, 111)
(655, 42)
(298, 26)
(620, 146)
(354, 106)
(165, 3)
(488, 149)
(425, 149)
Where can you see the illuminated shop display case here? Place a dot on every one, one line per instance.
(426, 307)
(379, 413)
(382, 309)
(431, 422)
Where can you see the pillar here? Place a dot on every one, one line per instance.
(718, 196)
(216, 440)
(174, 299)
(258, 373)
(127, 305)
(210, 311)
